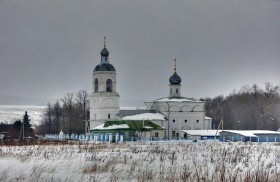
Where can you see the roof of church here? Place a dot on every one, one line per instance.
(129, 112)
(104, 52)
(175, 99)
(104, 67)
(175, 79)
(104, 64)
(146, 116)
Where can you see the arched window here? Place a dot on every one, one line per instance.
(109, 85)
(177, 90)
(96, 85)
(109, 116)
(173, 120)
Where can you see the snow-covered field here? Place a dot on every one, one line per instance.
(10, 113)
(141, 162)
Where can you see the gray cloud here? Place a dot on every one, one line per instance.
(49, 48)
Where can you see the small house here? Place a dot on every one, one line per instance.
(130, 129)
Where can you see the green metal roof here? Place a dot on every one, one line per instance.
(134, 125)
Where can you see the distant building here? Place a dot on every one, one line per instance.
(6, 130)
(250, 135)
(201, 134)
(173, 113)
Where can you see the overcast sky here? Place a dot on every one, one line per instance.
(49, 48)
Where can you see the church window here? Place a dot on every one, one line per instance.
(197, 121)
(96, 85)
(109, 85)
(186, 120)
(173, 120)
(109, 116)
(177, 91)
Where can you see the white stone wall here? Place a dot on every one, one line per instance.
(187, 116)
(102, 103)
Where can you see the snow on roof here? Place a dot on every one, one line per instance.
(246, 133)
(174, 99)
(206, 117)
(133, 108)
(117, 126)
(148, 127)
(202, 132)
(123, 113)
(252, 133)
(145, 116)
(259, 132)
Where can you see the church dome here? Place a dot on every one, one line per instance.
(175, 79)
(105, 67)
(104, 52)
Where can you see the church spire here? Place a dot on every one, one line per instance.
(175, 79)
(175, 65)
(104, 53)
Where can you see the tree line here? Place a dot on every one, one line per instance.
(251, 108)
(20, 129)
(68, 114)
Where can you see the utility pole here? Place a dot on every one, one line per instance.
(86, 126)
(221, 123)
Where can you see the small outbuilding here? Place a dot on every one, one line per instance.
(130, 129)
(250, 135)
(201, 134)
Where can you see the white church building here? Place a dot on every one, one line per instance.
(173, 113)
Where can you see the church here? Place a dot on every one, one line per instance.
(170, 114)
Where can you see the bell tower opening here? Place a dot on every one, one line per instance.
(96, 85)
(109, 85)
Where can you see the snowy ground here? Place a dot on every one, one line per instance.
(10, 113)
(141, 162)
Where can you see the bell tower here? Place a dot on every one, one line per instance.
(104, 99)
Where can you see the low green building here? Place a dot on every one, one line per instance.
(130, 129)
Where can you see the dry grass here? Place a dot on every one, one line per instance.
(152, 162)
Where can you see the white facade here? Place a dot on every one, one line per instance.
(177, 113)
(181, 114)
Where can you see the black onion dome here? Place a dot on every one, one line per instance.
(104, 52)
(175, 79)
(105, 67)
